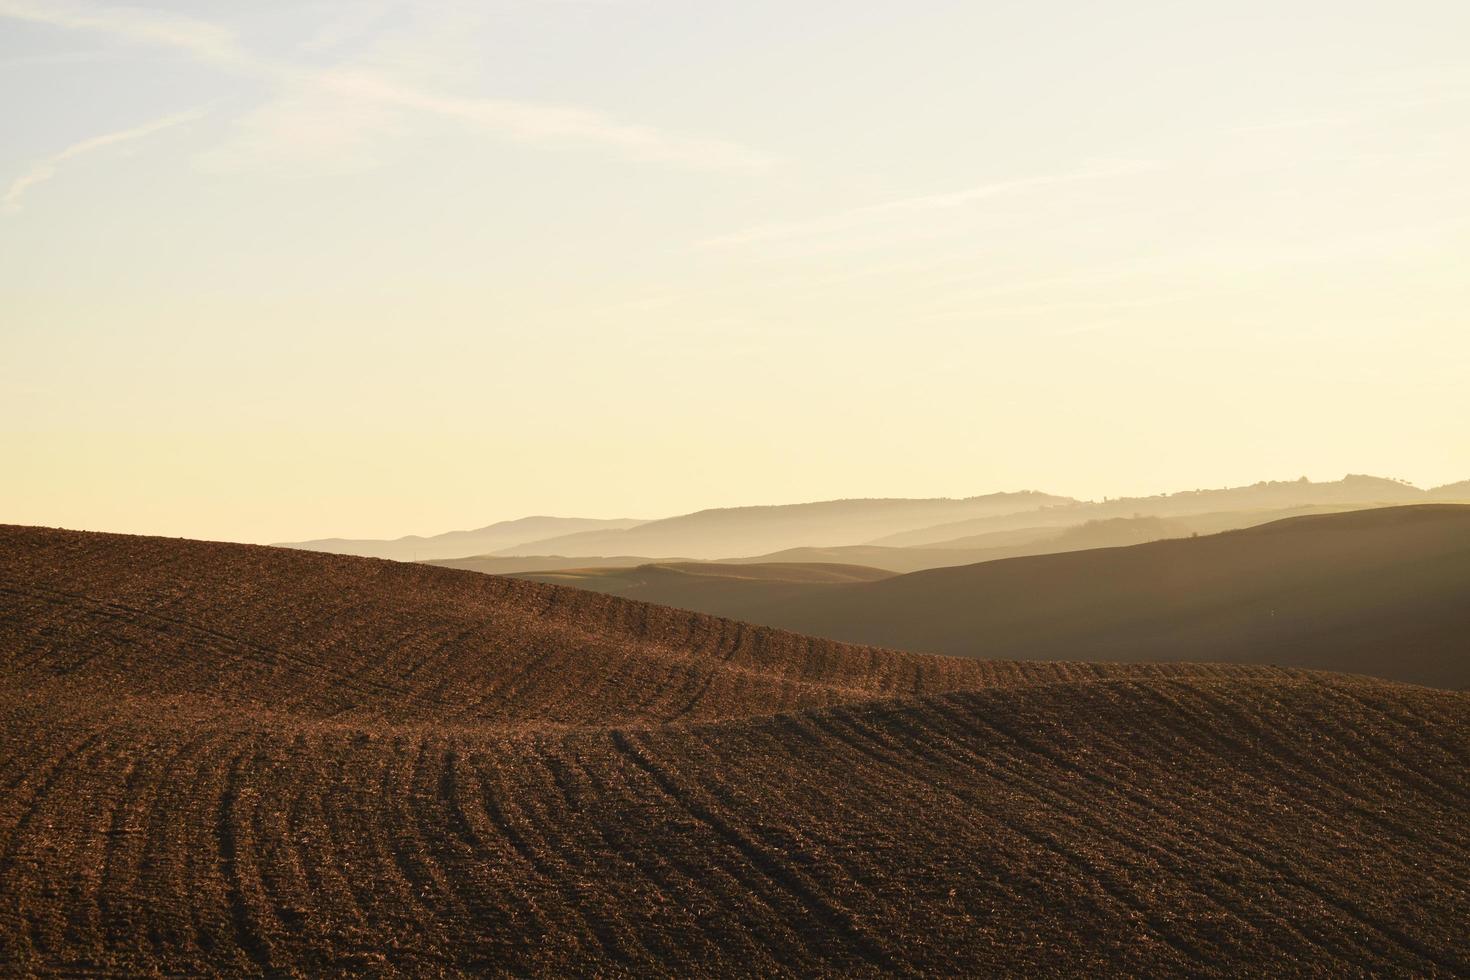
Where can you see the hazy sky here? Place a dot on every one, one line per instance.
(282, 269)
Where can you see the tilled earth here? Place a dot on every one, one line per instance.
(228, 759)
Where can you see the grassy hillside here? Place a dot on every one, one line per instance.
(239, 760)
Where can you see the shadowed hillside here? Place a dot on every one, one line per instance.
(1383, 592)
(1106, 532)
(869, 556)
(231, 759)
(712, 587)
(872, 556)
(983, 547)
(794, 573)
(496, 565)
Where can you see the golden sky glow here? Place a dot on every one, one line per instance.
(279, 271)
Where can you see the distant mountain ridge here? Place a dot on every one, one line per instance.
(1104, 532)
(730, 532)
(456, 544)
(1452, 492)
(1351, 492)
(827, 531)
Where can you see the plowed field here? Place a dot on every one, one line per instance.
(228, 759)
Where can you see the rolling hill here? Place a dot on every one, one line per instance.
(842, 531)
(1117, 532)
(712, 587)
(897, 560)
(1459, 492)
(739, 531)
(869, 556)
(983, 547)
(1383, 592)
(496, 565)
(225, 759)
(455, 544)
(615, 576)
(1234, 504)
(1105, 532)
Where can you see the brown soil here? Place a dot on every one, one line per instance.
(228, 759)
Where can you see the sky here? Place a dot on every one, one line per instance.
(287, 270)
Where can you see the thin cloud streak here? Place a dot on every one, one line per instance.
(44, 170)
(857, 217)
(522, 121)
(203, 40)
(543, 123)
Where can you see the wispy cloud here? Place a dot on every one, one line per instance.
(44, 170)
(1048, 309)
(55, 58)
(203, 40)
(845, 221)
(368, 95)
(546, 123)
(352, 22)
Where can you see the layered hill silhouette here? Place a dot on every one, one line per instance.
(244, 760)
(1109, 532)
(1383, 592)
(498, 565)
(454, 544)
(1227, 508)
(1459, 492)
(898, 535)
(739, 531)
(713, 587)
(1380, 592)
(1012, 542)
(988, 546)
(983, 547)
